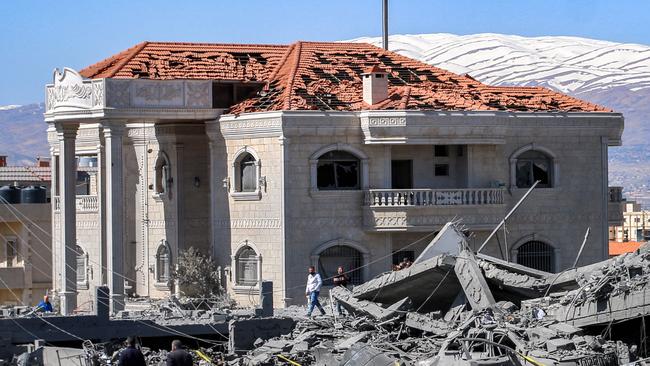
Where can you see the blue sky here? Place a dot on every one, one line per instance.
(37, 36)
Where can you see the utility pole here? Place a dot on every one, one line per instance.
(384, 33)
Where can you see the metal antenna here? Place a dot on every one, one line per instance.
(584, 241)
(384, 33)
(508, 215)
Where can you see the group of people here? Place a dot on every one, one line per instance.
(314, 284)
(132, 356)
(405, 263)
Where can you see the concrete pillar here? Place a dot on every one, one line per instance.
(102, 303)
(114, 198)
(66, 135)
(266, 298)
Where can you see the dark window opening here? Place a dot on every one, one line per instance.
(441, 151)
(340, 255)
(442, 170)
(536, 254)
(402, 174)
(337, 170)
(225, 95)
(400, 255)
(379, 76)
(531, 167)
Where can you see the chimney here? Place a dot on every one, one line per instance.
(42, 162)
(375, 85)
(3, 160)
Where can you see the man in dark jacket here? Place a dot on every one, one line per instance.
(131, 356)
(340, 280)
(178, 356)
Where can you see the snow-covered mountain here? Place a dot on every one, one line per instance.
(568, 64)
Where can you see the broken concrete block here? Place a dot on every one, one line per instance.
(471, 279)
(540, 333)
(565, 329)
(348, 342)
(344, 296)
(553, 345)
(426, 324)
(299, 347)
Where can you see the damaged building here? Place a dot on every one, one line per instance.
(271, 158)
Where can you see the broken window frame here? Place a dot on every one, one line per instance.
(340, 161)
(528, 156)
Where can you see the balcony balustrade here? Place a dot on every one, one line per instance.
(84, 203)
(433, 197)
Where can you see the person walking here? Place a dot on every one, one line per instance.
(340, 280)
(131, 356)
(178, 355)
(314, 283)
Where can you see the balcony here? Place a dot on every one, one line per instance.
(84, 203)
(429, 209)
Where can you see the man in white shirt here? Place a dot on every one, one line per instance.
(314, 283)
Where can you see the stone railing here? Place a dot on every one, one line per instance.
(433, 197)
(83, 203)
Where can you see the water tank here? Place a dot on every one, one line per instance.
(33, 194)
(9, 194)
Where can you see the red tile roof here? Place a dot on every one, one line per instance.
(25, 174)
(618, 248)
(326, 76)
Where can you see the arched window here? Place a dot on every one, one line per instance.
(247, 264)
(82, 267)
(247, 173)
(163, 262)
(338, 170)
(349, 258)
(536, 254)
(162, 177)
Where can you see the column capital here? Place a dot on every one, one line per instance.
(112, 129)
(66, 130)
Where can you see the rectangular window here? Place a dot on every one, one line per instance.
(441, 151)
(402, 174)
(442, 170)
(12, 252)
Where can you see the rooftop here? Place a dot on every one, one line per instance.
(618, 248)
(326, 76)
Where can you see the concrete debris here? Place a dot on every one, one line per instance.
(450, 307)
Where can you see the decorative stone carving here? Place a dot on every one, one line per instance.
(248, 223)
(158, 93)
(232, 129)
(70, 90)
(198, 95)
(118, 93)
(387, 121)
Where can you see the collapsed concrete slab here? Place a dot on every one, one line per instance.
(471, 278)
(353, 305)
(417, 283)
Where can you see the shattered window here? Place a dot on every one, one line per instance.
(536, 254)
(340, 255)
(533, 166)
(247, 267)
(338, 170)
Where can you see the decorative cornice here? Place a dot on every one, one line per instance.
(250, 128)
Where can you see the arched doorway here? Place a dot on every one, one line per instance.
(537, 255)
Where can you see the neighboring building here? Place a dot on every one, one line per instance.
(618, 248)
(635, 225)
(25, 252)
(272, 158)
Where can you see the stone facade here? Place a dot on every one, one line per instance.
(245, 189)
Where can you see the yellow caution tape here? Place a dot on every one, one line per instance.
(288, 360)
(530, 359)
(203, 356)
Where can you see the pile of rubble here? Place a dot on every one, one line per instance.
(453, 307)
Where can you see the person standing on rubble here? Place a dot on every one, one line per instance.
(340, 280)
(178, 355)
(44, 305)
(131, 356)
(314, 283)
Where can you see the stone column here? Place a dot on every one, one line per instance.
(66, 135)
(54, 192)
(114, 198)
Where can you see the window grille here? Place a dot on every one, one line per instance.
(247, 267)
(538, 255)
(340, 255)
(163, 263)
